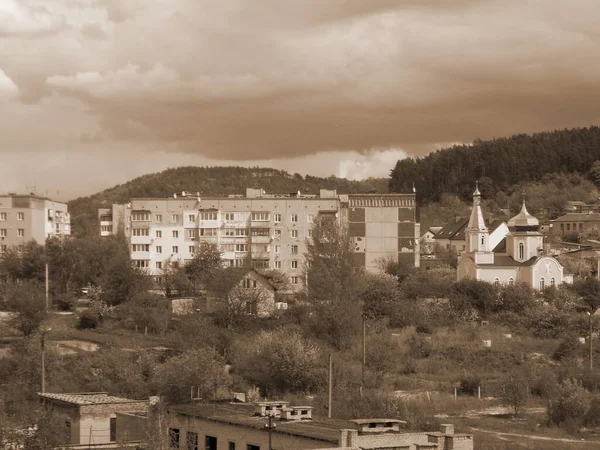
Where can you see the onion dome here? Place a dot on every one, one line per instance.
(523, 221)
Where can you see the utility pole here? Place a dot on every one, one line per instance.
(330, 386)
(270, 427)
(364, 353)
(590, 343)
(47, 296)
(43, 362)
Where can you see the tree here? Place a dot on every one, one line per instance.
(569, 404)
(49, 431)
(516, 298)
(27, 299)
(335, 281)
(204, 266)
(479, 295)
(515, 392)
(594, 173)
(379, 295)
(173, 279)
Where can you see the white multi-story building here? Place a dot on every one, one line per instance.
(265, 231)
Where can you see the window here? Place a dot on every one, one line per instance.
(21, 232)
(191, 218)
(229, 216)
(228, 247)
(175, 218)
(496, 282)
(231, 446)
(294, 218)
(294, 264)
(568, 227)
(260, 217)
(20, 216)
(252, 447)
(260, 263)
(552, 282)
(141, 263)
(175, 264)
(241, 232)
(294, 233)
(140, 247)
(295, 280)
(277, 248)
(159, 249)
(310, 218)
(113, 429)
(278, 264)
(241, 247)
(238, 262)
(542, 283)
(310, 233)
(140, 232)
(159, 264)
(229, 231)
(158, 218)
(482, 240)
(138, 216)
(20, 248)
(208, 231)
(175, 249)
(294, 249)
(521, 250)
(191, 234)
(277, 234)
(192, 441)
(249, 283)
(277, 218)
(511, 281)
(3, 247)
(2, 216)
(208, 216)
(260, 232)
(192, 249)
(3, 232)
(105, 228)
(174, 437)
(175, 233)
(158, 233)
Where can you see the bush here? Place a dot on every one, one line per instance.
(66, 302)
(569, 405)
(569, 348)
(419, 346)
(88, 320)
(515, 392)
(468, 384)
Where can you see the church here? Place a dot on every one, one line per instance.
(518, 258)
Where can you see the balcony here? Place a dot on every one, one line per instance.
(261, 239)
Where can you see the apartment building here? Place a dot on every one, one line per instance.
(25, 218)
(266, 231)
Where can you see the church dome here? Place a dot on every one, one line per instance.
(523, 221)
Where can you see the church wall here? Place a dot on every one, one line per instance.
(497, 235)
(546, 268)
(503, 274)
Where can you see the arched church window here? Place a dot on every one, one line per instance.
(482, 240)
(496, 282)
(542, 283)
(552, 282)
(511, 281)
(521, 250)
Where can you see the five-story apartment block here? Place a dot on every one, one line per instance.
(260, 230)
(25, 218)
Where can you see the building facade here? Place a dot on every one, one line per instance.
(516, 258)
(264, 231)
(25, 218)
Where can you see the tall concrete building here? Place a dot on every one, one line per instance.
(25, 218)
(268, 231)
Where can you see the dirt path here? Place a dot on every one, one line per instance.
(500, 434)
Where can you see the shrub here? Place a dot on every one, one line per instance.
(88, 320)
(569, 348)
(468, 384)
(515, 392)
(66, 302)
(569, 405)
(419, 346)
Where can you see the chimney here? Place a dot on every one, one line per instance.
(447, 428)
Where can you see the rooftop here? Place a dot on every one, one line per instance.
(86, 398)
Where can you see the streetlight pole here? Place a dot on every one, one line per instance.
(364, 353)
(270, 427)
(43, 343)
(590, 338)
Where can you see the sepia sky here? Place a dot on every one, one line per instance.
(96, 92)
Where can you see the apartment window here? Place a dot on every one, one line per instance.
(568, 227)
(277, 233)
(175, 218)
(21, 216)
(294, 217)
(158, 218)
(191, 234)
(252, 447)
(138, 216)
(260, 232)
(140, 247)
(240, 262)
(2, 216)
(241, 232)
(21, 232)
(227, 247)
(175, 249)
(260, 263)
(20, 248)
(294, 264)
(310, 218)
(3, 247)
(208, 231)
(140, 232)
(3, 232)
(141, 263)
(192, 249)
(191, 218)
(174, 437)
(175, 233)
(241, 247)
(208, 216)
(113, 429)
(294, 249)
(278, 249)
(192, 441)
(158, 233)
(295, 280)
(249, 283)
(158, 264)
(231, 445)
(310, 233)
(278, 264)
(260, 217)
(277, 218)
(159, 249)
(294, 233)
(229, 216)
(106, 228)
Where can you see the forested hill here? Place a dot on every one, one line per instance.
(504, 163)
(209, 181)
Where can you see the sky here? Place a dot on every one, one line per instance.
(96, 92)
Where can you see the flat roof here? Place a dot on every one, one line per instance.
(242, 414)
(87, 398)
(364, 421)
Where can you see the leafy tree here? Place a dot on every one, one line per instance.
(28, 300)
(570, 403)
(516, 298)
(515, 392)
(379, 296)
(173, 279)
(204, 266)
(49, 431)
(589, 292)
(479, 295)
(434, 283)
(594, 173)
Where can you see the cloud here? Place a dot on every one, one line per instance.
(27, 18)
(8, 89)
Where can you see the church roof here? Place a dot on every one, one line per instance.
(523, 219)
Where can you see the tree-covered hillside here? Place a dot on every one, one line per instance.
(504, 163)
(209, 181)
